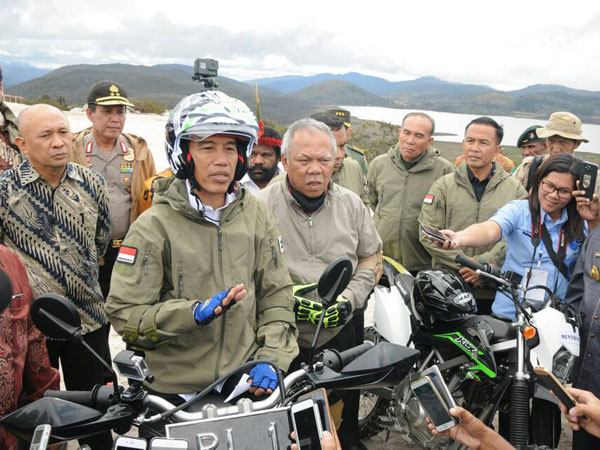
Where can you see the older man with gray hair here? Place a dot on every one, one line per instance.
(320, 221)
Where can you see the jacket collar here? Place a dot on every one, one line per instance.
(285, 187)
(173, 192)
(462, 178)
(27, 173)
(425, 163)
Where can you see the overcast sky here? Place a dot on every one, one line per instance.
(506, 45)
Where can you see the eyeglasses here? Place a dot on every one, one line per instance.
(549, 188)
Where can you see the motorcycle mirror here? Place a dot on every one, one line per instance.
(56, 317)
(6, 290)
(334, 280)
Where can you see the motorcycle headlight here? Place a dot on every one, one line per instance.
(562, 364)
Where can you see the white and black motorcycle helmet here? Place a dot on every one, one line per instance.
(205, 114)
(440, 296)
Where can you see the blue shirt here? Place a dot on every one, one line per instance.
(514, 220)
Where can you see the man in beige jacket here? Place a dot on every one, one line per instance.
(320, 221)
(124, 161)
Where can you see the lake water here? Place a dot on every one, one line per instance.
(152, 126)
(455, 124)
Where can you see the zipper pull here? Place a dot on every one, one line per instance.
(220, 234)
(180, 273)
(146, 258)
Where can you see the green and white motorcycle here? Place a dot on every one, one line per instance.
(486, 361)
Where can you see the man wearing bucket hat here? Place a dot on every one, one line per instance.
(563, 135)
(530, 143)
(123, 159)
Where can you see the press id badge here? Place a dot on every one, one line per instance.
(538, 277)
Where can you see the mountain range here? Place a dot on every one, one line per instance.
(288, 98)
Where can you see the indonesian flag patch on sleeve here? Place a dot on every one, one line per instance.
(127, 255)
(428, 200)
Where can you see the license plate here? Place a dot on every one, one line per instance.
(269, 429)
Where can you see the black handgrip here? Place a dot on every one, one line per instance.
(81, 397)
(464, 261)
(100, 397)
(487, 268)
(337, 360)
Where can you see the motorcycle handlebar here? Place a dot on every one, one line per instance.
(338, 360)
(100, 397)
(487, 268)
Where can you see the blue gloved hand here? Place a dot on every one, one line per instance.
(263, 376)
(204, 312)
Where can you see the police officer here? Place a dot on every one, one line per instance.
(351, 151)
(530, 143)
(124, 160)
(10, 155)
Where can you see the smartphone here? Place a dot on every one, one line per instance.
(436, 378)
(306, 421)
(158, 443)
(587, 178)
(549, 381)
(433, 403)
(130, 443)
(41, 437)
(433, 233)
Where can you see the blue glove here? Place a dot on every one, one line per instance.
(263, 376)
(204, 312)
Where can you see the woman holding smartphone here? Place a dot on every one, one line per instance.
(543, 233)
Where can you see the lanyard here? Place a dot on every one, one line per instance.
(538, 229)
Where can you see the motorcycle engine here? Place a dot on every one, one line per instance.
(411, 419)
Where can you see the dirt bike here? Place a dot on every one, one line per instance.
(245, 425)
(486, 361)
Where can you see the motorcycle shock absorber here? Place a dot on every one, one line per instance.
(519, 417)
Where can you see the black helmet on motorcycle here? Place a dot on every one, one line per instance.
(440, 296)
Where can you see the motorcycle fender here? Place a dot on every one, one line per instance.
(554, 332)
(392, 316)
(544, 394)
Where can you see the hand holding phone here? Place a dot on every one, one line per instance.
(433, 234)
(587, 179)
(306, 421)
(433, 404)
(549, 381)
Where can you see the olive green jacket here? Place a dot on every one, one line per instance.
(351, 177)
(358, 155)
(396, 195)
(181, 258)
(342, 226)
(451, 204)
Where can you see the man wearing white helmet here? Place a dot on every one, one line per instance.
(200, 284)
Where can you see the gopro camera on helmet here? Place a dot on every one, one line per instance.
(205, 71)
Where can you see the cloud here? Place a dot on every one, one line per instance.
(510, 45)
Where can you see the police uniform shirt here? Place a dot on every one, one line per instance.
(117, 172)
